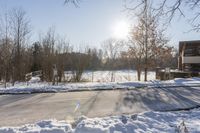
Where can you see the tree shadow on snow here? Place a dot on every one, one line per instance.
(162, 99)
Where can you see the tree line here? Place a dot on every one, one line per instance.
(18, 56)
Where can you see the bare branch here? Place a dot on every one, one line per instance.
(74, 2)
(169, 9)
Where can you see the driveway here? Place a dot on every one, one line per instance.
(16, 110)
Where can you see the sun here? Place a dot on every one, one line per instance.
(121, 30)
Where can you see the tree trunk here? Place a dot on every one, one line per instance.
(5, 79)
(112, 76)
(145, 74)
(139, 74)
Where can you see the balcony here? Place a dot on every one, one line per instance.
(191, 59)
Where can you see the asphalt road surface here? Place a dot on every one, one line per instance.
(16, 110)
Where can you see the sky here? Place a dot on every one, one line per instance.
(91, 23)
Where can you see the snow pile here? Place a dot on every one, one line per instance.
(34, 80)
(62, 87)
(184, 81)
(47, 126)
(195, 81)
(151, 122)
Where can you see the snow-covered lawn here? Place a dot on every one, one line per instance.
(148, 122)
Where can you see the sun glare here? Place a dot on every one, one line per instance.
(121, 30)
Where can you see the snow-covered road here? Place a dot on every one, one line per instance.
(16, 110)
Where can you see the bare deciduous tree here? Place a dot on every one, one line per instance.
(137, 49)
(20, 28)
(79, 62)
(147, 41)
(111, 48)
(48, 57)
(168, 9)
(6, 53)
(62, 48)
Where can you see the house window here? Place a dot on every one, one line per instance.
(189, 52)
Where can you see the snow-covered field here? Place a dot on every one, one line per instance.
(100, 82)
(118, 76)
(148, 122)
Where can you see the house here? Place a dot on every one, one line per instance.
(189, 56)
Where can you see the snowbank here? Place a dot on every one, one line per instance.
(37, 87)
(151, 122)
(34, 80)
